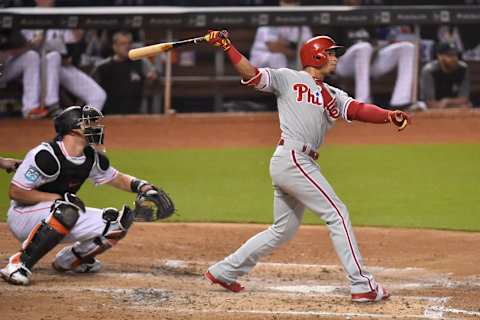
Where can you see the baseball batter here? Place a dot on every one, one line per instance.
(307, 108)
(45, 211)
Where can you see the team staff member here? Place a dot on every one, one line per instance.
(17, 59)
(45, 210)
(122, 78)
(276, 46)
(362, 60)
(307, 108)
(60, 71)
(445, 82)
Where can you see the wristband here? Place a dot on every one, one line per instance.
(136, 185)
(234, 55)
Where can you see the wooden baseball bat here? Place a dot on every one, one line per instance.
(148, 51)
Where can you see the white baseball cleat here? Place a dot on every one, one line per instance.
(15, 272)
(68, 260)
(376, 295)
(91, 266)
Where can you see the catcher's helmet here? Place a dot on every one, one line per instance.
(76, 117)
(312, 53)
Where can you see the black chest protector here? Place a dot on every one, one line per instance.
(71, 176)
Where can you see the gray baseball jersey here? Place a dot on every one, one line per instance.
(307, 109)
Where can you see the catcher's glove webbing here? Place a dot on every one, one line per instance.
(153, 204)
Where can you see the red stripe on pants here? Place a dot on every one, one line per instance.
(338, 212)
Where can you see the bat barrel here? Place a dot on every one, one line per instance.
(148, 51)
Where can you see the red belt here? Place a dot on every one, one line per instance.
(312, 154)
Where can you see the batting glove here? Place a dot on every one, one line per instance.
(399, 119)
(219, 39)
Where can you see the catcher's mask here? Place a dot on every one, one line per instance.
(86, 118)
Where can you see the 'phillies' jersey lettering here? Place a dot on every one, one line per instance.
(329, 101)
(304, 92)
(333, 111)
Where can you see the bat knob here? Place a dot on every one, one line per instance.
(223, 34)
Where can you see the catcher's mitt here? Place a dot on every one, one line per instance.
(153, 204)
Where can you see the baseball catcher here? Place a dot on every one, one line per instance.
(45, 209)
(307, 108)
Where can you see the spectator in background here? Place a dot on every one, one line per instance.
(276, 47)
(445, 82)
(363, 60)
(123, 79)
(17, 59)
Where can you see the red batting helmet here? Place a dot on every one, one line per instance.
(312, 53)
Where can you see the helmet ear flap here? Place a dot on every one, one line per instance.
(322, 58)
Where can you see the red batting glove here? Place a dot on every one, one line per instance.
(399, 119)
(219, 39)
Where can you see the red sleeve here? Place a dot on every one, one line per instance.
(234, 55)
(366, 112)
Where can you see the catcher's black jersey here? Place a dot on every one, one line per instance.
(71, 176)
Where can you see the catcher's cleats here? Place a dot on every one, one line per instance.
(68, 260)
(15, 272)
(92, 266)
(153, 204)
(234, 286)
(376, 295)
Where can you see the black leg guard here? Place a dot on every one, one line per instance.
(43, 240)
(48, 234)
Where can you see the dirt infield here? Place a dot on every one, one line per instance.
(155, 273)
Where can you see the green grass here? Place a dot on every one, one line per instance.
(421, 186)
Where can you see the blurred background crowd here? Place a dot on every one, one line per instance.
(45, 70)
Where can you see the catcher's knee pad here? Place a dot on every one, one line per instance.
(117, 222)
(65, 214)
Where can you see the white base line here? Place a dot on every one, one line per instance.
(309, 313)
(451, 310)
(434, 312)
(183, 264)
